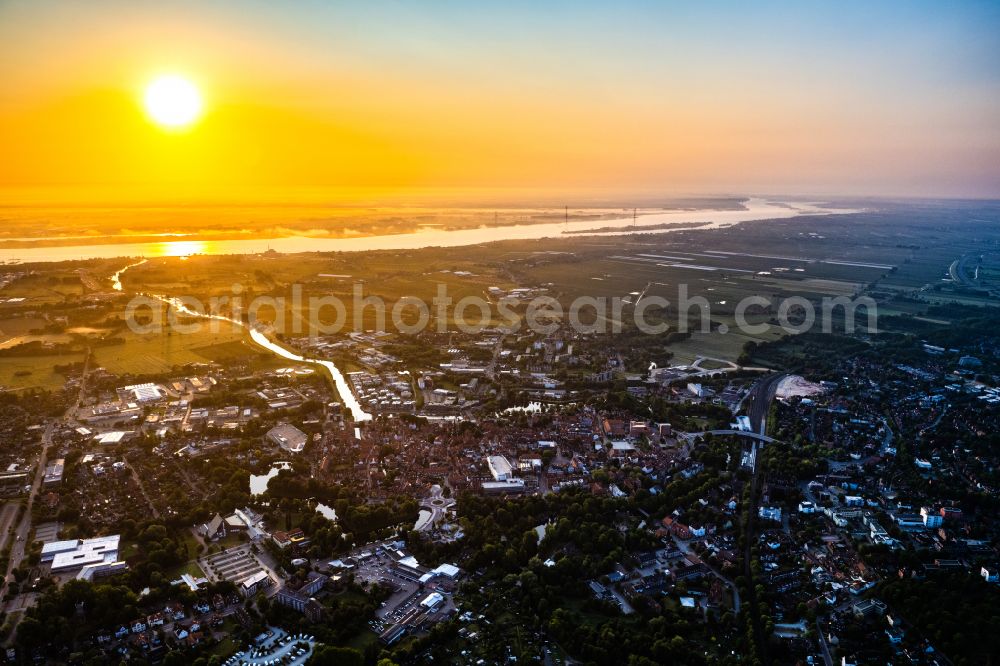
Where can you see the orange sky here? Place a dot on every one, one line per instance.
(512, 97)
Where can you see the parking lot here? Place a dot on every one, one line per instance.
(234, 564)
(275, 647)
(46, 532)
(377, 569)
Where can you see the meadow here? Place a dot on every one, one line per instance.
(899, 255)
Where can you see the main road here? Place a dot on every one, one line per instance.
(24, 527)
(758, 404)
(758, 401)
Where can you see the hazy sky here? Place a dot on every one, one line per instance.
(889, 98)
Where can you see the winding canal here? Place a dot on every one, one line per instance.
(261, 340)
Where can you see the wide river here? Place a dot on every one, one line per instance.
(756, 209)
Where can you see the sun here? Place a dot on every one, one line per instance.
(172, 101)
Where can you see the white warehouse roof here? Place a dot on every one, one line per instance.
(75, 554)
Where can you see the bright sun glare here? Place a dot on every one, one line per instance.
(172, 101)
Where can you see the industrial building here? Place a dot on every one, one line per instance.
(500, 468)
(78, 553)
(288, 437)
(54, 472)
(141, 393)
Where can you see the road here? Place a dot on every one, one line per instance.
(83, 383)
(685, 548)
(887, 440)
(758, 404)
(743, 433)
(142, 488)
(822, 642)
(437, 504)
(24, 527)
(491, 369)
(7, 516)
(758, 401)
(958, 273)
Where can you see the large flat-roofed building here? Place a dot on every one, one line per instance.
(250, 585)
(432, 600)
(448, 571)
(54, 472)
(299, 596)
(141, 392)
(500, 468)
(101, 570)
(13, 482)
(511, 487)
(112, 438)
(78, 553)
(288, 437)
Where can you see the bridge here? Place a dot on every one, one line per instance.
(743, 433)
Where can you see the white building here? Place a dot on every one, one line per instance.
(432, 600)
(770, 513)
(79, 553)
(447, 570)
(111, 438)
(500, 468)
(251, 584)
(143, 392)
(930, 517)
(697, 390)
(509, 487)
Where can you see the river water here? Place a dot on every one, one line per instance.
(260, 338)
(756, 209)
(258, 482)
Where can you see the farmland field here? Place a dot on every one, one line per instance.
(158, 353)
(24, 372)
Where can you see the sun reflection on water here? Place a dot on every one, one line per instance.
(181, 249)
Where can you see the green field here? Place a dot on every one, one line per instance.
(190, 567)
(24, 372)
(159, 353)
(13, 327)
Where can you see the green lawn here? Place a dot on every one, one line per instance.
(157, 353)
(23, 372)
(225, 648)
(225, 351)
(227, 542)
(191, 567)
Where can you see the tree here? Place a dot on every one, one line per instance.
(329, 655)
